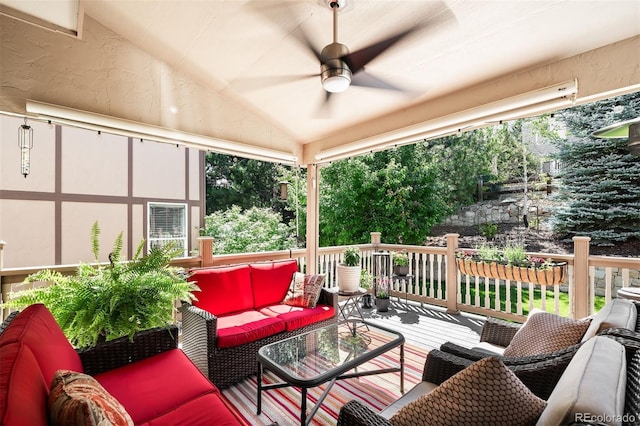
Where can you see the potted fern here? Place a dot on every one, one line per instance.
(349, 270)
(105, 302)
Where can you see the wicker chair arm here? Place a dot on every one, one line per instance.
(440, 366)
(353, 413)
(8, 320)
(329, 298)
(199, 335)
(116, 353)
(471, 354)
(542, 377)
(498, 332)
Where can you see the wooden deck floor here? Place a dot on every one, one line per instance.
(428, 326)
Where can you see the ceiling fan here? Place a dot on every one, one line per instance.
(340, 68)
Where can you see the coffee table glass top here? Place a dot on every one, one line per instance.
(319, 355)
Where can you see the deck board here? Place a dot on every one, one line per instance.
(428, 326)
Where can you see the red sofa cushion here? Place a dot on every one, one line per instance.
(23, 391)
(295, 317)
(210, 409)
(271, 281)
(246, 327)
(155, 386)
(223, 290)
(35, 325)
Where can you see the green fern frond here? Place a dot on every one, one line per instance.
(110, 302)
(95, 240)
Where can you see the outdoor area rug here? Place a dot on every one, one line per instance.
(282, 406)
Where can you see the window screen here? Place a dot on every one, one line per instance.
(167, 222)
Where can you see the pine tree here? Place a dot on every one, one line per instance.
(600, 189)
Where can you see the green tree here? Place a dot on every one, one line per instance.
(234, 181)
(600, 191)
(244, 231)
(404, 191)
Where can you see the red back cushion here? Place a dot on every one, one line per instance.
(36, 328)
(223, 290)
(271, 281)
(23, 391)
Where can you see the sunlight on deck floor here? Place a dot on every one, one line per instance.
(428, 326)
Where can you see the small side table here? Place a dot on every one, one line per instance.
(402, 280)
(351, 306)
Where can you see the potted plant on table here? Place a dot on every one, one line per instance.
(349, 270)
(510, 263)
(105, 302)
(400, 263)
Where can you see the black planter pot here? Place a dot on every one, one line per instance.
(382, 305)
(401, 270)
(366, 301)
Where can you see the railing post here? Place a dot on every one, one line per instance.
(375, 239)
(205, 247)
(451, 278)
(581, 303)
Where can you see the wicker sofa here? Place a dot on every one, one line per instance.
(150, 377)
(240, 309)
(605, 363)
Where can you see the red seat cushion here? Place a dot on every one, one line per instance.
(36, 327)
(210, 409)
(155, 386)
(296, 317)
(223, 290)
(271, 281)
(23, 391)
(246, 327)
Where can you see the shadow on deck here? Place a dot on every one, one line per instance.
(428, 326)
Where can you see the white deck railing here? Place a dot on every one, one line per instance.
(434, 279)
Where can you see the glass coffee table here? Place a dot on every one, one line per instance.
(326, 355)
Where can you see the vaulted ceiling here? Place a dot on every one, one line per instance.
(235, 70)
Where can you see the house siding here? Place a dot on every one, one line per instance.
(79, 176)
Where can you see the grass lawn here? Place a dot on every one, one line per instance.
(563, 298)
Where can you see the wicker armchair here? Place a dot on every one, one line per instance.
(540, 376)
(498, 334)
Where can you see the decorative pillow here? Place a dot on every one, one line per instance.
(304, 290)
(544, 332)
(78, 399)
(485, 393)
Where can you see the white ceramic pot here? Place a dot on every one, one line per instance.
(348, 278)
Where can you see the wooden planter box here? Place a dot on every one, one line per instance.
(555, 275)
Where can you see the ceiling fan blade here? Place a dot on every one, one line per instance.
(358, 59)
(281, 14)
(364, 79)
(255, 83)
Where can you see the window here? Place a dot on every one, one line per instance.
(167, 222)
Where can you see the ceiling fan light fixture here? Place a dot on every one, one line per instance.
(336, 81)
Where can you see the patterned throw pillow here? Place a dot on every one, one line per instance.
(304, 290)
(485, 393)
(78, 399)
(544, 332)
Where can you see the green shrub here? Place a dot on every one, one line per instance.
(489, 230)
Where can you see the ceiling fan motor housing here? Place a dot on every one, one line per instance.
(334, 72)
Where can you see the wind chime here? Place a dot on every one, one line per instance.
(25, 143)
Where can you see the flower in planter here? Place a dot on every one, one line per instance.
(382, 288)
(510, 263)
